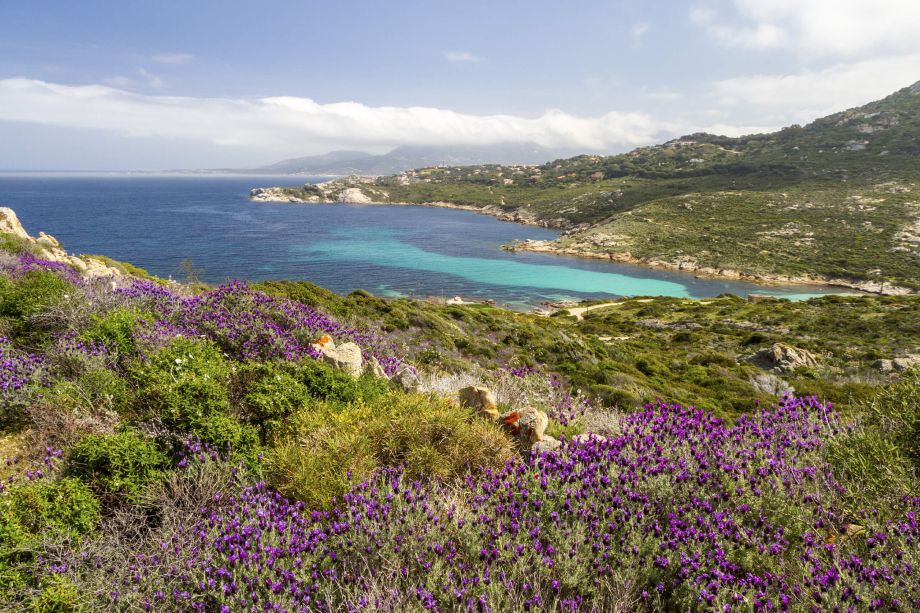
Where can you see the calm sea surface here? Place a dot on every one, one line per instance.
(156, 222)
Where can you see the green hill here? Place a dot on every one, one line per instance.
(833, 201)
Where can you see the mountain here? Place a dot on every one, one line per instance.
(408, 157)
(835, 201)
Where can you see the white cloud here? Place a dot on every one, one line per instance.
(143, 78)
(638, 31)
(816, 28)
(809, 94)
(461, 57)
(661, 95)
(172, 58)
(298, 126)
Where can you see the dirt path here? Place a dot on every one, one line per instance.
(578, 312)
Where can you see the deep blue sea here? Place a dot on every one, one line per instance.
(157, 222)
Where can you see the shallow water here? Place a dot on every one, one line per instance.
(157, 222)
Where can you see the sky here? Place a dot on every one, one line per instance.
(144, 85)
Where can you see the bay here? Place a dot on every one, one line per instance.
(159, 222)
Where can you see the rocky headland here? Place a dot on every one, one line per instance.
(49, 248)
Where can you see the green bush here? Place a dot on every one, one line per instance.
(325, 448)
(877, 459)
(183, 383)
(35, 292)
(43, 508)
(323, 381)
(896, 413)
(60, 596)
(116, 330)
(97, 389)
(16, 245)
(273, 397)
(226, 433)
(118, 465)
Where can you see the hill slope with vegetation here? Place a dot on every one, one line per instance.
(179, 447)
(835, 201)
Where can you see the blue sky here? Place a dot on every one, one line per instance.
(152, 85)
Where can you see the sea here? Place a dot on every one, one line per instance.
(173, 224)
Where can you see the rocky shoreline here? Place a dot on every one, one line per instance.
(48, 248)
(354, 195)
(330, 193)
(688, 266)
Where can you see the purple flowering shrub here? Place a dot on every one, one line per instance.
(678, 511)
(247, 324)
(19, 372)
(521, 386)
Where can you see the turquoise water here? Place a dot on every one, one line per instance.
(386, 249)
(159, 222)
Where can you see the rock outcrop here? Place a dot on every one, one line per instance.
(526, 425)
(373, 368)
(279, 194)
(547, 444)
(48, 248)
(353, 195)
(480, 399)
(407, 378)
(897, 364)
(783, 359)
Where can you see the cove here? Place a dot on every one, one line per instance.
(159, 222)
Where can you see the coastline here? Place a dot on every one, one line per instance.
(356, 196)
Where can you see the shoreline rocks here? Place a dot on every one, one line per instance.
(49, 248)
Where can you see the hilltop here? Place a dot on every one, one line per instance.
(836, 201)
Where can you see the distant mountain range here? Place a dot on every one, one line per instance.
(408, 158)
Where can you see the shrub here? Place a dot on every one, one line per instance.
(116, 330)
(39, 509)
(184, 382)
(226, 433)
(323, 381)
(59, 596)
(36, 291)
(118, 465)
(273, 397)
(896, 412)
(97, 389)
(324, 449)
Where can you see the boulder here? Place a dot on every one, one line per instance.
(782, 358)
(46, 240)
(547, 444)
(527, 425)
(345, 357)
(480, 399)
(10, 224)
(407, 378)
(373, 368)
(884, 366)
(353, 195)
(768, 383)
(896, 364)
(902, 364)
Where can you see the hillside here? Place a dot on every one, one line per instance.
(181, 447)
(834, 201)
(404, 158)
